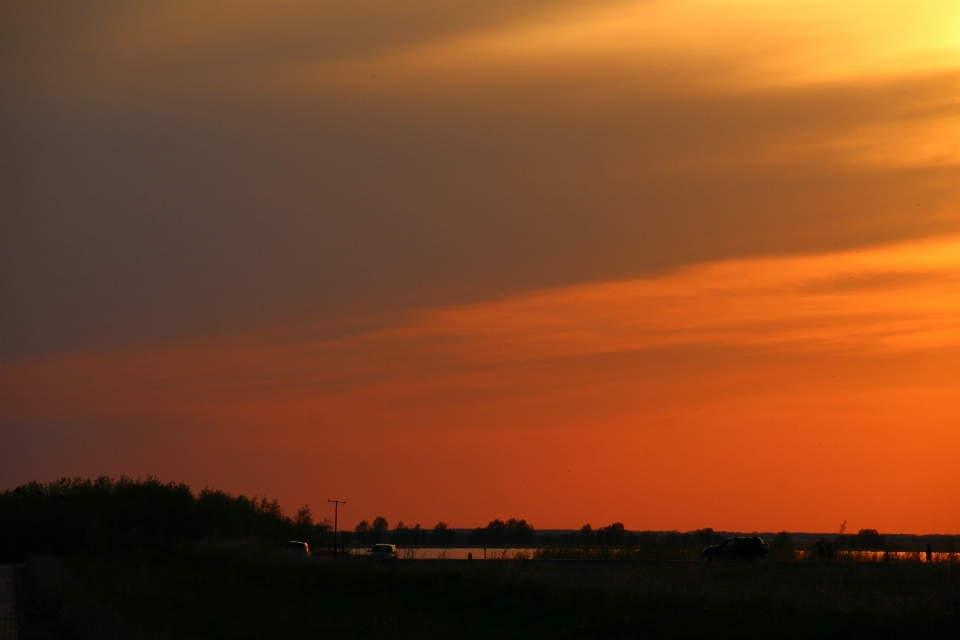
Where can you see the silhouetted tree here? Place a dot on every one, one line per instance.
(379, 529)
(442, 535)
(303, 523)
(401, 534)
(408, 536)
(612, 535)
(586, 536)
(362, 532)
(705, 537)
(418, 535)
(303, 518)
(492, 535)
(519, 532)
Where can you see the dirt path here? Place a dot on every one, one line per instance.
(9, 629)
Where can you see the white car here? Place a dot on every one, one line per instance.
(298, 547)
(384, 552)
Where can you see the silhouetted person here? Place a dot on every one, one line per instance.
(820, 548)
(469, 555)
(886, 556)
(929, 553)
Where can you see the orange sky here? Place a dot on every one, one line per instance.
(774, 393)
(676, 264)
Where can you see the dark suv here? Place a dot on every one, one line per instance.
(752, 548)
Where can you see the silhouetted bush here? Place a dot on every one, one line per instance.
(866, 539)
(782, 546)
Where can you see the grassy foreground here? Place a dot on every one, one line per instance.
(242, 591)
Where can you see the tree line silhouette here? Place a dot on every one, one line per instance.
(73, 513)
(518, 533)
(513, 532)
(402, 535)
(649, 543)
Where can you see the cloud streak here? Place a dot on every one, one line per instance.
(172, 170)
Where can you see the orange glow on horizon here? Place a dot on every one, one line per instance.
(773, 393)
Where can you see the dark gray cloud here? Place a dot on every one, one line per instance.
(160, 177)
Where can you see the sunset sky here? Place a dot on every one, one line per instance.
(676, 264)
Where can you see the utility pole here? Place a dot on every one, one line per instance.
(336, 510)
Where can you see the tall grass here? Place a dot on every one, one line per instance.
(216, 590)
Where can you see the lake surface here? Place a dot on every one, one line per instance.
(513, 553)
(459, 553)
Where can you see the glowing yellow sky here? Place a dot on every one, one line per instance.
(568, 261)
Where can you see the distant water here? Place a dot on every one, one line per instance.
(513, 553)
(459, 553)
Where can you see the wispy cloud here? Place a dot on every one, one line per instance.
(861, 303)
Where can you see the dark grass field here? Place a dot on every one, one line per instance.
(243, 591)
